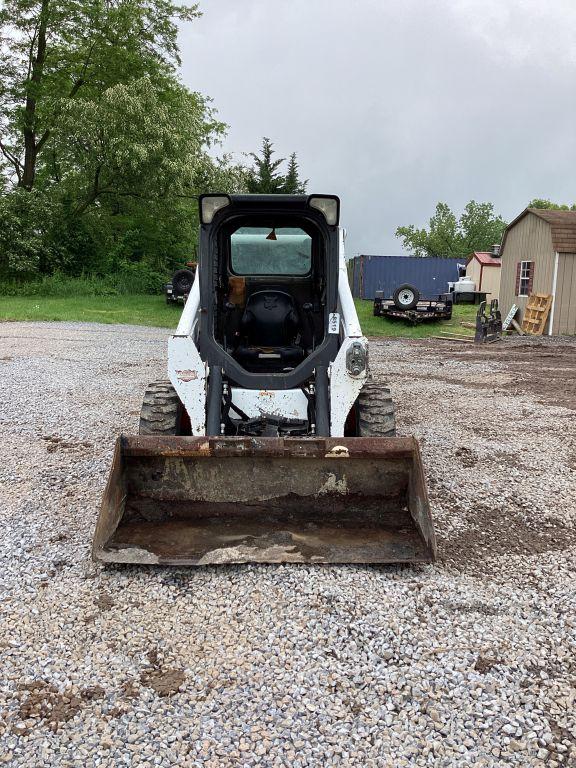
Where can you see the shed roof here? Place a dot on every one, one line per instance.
(485, 258)
(562, 226)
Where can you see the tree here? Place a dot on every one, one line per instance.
(57, 50)
(103, 150)
(265, 177)
(292, 183)
(547, 205)
(477, 229)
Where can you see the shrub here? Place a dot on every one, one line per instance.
(129, 279)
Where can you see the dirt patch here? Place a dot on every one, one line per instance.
(546, 369)
(454, 380)
(485, 663)
(493, 535)
(468, 457)
(104, 601)
(164, 682)
(507, 459)
(55, 443)
(44, 702)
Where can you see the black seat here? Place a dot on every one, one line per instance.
(269, 330)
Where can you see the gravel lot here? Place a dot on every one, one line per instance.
(471, 661)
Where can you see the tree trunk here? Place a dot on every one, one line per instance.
(38, 58)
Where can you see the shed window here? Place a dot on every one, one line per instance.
(524, 276)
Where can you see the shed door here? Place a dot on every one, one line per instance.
(565, 302)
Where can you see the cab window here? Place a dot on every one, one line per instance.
(265, 251)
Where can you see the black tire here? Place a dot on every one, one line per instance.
(406, 296)
(376, 411)
(162, 412)
(182, 281)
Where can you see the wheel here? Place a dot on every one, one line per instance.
(162, 413)
(406, 297)
(376, 411)
(182, 281)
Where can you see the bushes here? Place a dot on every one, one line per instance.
(130, 279)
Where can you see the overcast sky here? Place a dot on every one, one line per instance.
(397, 104)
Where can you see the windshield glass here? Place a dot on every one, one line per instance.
(265, 251)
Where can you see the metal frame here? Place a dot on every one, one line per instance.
(488, 323)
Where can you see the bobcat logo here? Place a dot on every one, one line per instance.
(270, 302)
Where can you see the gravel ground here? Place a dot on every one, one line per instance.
(468, 662)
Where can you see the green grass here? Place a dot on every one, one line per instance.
(382, 326)
(153, 310)
(134, 310)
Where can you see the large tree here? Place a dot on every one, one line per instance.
(265, 178)
(55, 51)
(104, 151)
(477, 229)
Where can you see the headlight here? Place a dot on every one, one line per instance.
(210, 205)
(329, 205)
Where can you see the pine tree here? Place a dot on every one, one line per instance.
(265, 178)
(292, 183)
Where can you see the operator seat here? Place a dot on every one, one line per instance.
(270, 332)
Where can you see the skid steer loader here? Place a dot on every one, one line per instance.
(270, 442)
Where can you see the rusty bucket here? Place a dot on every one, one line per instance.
(202, 501)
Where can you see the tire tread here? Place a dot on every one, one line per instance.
(161, 409)
(376, 411)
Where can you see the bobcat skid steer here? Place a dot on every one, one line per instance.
(270, 442)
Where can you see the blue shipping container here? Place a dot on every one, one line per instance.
(430, 275)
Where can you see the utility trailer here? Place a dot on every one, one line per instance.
(406, 304)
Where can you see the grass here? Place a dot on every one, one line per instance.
(133, 310)
(382, 326)
(153, 310)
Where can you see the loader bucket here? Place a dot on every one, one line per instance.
(202, 501)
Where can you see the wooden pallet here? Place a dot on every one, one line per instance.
(536, 313)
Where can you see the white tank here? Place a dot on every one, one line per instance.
(465, 285)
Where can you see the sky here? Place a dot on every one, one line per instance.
(395, 105)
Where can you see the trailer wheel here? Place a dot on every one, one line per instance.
(406, 297)
(162, 413)
(376, 411)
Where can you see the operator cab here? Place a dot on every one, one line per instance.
(269, 261)
(273, 307)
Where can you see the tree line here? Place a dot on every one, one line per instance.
(104, 151)
(478, 228)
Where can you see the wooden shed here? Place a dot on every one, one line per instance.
(484, 269)
(538, 255)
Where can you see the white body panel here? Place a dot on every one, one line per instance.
(188, 373)
(290, 403)
(345, 388)
(186, 370)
